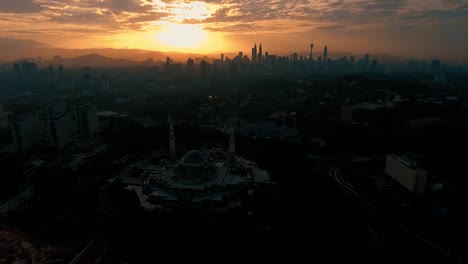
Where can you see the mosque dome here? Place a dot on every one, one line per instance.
(194, 158)
(194, 168)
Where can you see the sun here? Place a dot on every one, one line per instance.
(181, 36)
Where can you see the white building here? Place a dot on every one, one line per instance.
(405, 172)
(26, 132)
(86, 117)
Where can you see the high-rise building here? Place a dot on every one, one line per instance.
(60, 124)
(405, 172)
(347, 112)
(254, 54)
(88, 83)
(325, 57)
(29, 70)
(204, 69)
(58, 60)
(295, 56)
(86, 118)
(61, 129)
(17, 72)
(260, 54)
(26, 132)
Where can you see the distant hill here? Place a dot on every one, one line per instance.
(12, 49)
(7, 44)
(98, 60)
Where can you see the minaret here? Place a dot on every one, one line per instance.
(172, 147)
(311, 50)
(232, 142)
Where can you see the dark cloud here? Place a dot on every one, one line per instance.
(19, 6)
(119, 6)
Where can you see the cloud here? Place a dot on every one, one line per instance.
(409, 21)
(19, 6)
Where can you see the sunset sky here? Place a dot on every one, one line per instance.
(402, 27)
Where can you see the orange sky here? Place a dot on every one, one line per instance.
(429, 28)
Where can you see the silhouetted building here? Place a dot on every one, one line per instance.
(61, 130)
(405, 172)
(215, 180)
(254, 54)
(27, 132)
(325, 57)
(260, 54)
(88, 83)
(86, 118)
(60, 124)
(58, 60)
(191, 66)
(311, 51)
(204, 69)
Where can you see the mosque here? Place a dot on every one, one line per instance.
(217, 179)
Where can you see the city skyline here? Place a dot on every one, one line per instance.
(408, 28)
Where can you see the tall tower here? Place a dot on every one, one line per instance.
(325, 57)
(254, 54)
(260, 53)
(232, 142)
(311, 50)
(172, 147)
(325, 54)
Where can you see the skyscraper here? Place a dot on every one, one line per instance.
(86, 117)
(254, 54)
(88, 83)
(260, 53)
(325, 57)
(60, 124)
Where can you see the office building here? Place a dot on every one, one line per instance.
(405, 172)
